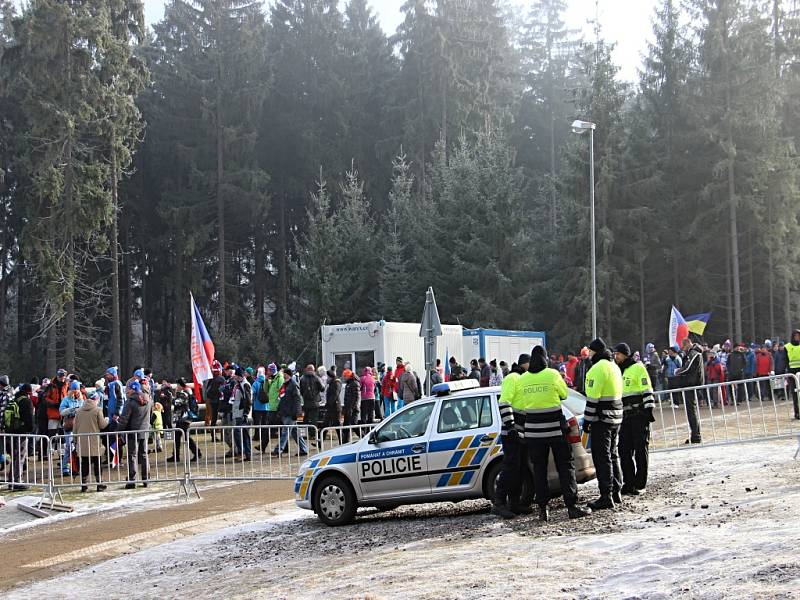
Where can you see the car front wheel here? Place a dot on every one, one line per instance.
(334, 501)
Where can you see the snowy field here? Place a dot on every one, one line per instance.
(718, 522)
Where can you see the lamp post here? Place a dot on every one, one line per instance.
(581, 127)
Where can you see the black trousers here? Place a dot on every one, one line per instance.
(634, 450)
(332, 420)
(539, 452)
(261, 417)
(350, 418)
(692, 415)
(606, 457)
(95, 462)
(183, 427)
(311, 417)
(793, 394)
(368, 411)
(509, 483)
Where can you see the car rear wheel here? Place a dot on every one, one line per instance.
(334, 501)
(526, 492)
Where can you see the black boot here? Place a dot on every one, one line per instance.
(616, 497)
(603, 502)
(544, 514)
(520, 509)
(499, 509)
(576, 512)
(630, 491)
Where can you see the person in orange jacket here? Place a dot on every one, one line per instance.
(56, 392)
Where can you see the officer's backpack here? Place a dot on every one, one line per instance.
(12, 420)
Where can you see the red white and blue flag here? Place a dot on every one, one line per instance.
(678, 328)
(201, 350)
(447, 364)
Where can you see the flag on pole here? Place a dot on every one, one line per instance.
(201, 350)
(697, 323)
(678, 329)
(447, 364)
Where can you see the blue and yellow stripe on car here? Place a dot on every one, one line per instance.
(303, 483)
(469, 453)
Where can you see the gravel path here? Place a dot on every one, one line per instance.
(715, 523)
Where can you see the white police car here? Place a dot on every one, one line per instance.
(441, 448)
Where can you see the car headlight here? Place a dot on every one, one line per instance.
(304, 467)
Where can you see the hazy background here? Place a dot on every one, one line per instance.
(625, 22)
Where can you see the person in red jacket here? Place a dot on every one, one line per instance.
(716, 374)
(764, 368)
(572, 365)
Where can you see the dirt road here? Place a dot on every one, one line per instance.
(50, 549)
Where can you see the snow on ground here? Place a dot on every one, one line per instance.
(716, 522)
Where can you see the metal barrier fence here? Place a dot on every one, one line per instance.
(120, 457)
(332, 437)
(248, 452)
(734, 411)
(25, 463)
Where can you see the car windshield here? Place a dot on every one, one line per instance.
(412, 422)
(575, 402)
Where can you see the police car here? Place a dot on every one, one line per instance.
(445, 447)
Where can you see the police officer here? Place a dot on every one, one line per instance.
(506, 498)
(603, 417)
(793, 355)
(536, 398)
(637, 414)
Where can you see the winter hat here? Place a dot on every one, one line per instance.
(4, 380)
(675, 348)
(398, 359)
(139, 373)
(623, 348)
(112, 371)
(523, 359)
(249, 370)
(320, 371)
(768, 343)
(650, 348)
(94, 395)
(262, 371)
(597, 345)
(272, 368)
(538, 351)
(347, 374)
(239, 372)
(61, 373)
(753, 345)
(715, 348)
(75, 385)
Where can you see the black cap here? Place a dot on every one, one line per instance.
(597, 345)
(524, 359)
(538, 350)
(623, 348)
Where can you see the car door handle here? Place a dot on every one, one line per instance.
(418, 448)
(487, 439)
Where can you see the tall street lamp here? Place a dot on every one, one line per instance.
(581, 127)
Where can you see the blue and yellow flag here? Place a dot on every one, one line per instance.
(697, 323)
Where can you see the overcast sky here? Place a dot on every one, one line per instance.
(626, 22)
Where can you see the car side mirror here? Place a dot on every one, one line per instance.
(373, 438)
